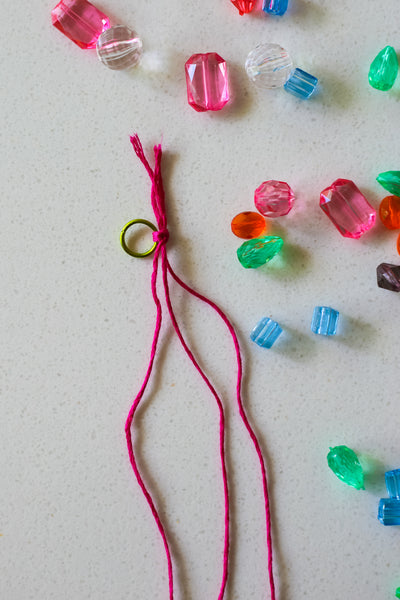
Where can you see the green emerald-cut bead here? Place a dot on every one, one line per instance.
(383, 69)
(398, 592)
(390, 180)
(258, 251)
(345, 464)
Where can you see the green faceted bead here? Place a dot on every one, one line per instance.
(398, 592)
(390, 180)
(258, 251)
(345, 464)
(383, 69)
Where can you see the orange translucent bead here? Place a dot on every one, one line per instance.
(248, 225)
(389, 212)
(398, 244)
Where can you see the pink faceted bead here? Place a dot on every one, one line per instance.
(207, 82)
(80, 21)
(347, 208)
(273, 198)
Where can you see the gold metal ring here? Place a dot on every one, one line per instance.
(123, 234)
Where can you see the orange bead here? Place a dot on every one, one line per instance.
(389, 212)
(398, 244)
(248, 225)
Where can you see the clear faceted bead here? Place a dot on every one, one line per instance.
(268, 65)
(119, 48)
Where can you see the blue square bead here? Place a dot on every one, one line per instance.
(389, 511)
(275, 7)
(392, 479)
(324, 321)
(301, 84)
(266, 332)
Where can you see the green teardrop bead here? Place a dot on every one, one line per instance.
(383, 69)
(345, 464)
(390, 180)
(258, 251)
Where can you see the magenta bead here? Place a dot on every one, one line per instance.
(80, 21)
(347, 208)
(207, 82)
(273, 198)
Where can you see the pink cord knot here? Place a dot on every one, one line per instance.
(161, 236)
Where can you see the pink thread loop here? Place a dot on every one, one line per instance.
(161, 236)
(160, 260)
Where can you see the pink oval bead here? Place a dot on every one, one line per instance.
(274, 198)
(207, 82)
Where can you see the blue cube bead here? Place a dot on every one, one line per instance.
(324, 321)
(392, 479)
(275, 7)
(266, 332)
(389, 511)
(301, 84)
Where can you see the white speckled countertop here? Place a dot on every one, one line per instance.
(77, 316)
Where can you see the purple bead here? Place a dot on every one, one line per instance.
(388, 277)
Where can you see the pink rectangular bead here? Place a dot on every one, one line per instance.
(347, 208)
(80, 21)
(207, 82)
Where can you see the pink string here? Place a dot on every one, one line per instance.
(161, 237)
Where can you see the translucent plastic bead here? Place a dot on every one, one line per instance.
(275, 7)
(343, 461)
(257, 252)
(119, 48)
(324, 321)
(273, 198)
(244, 6)
(392, 480)
(268, 65)
(248, 225)
(389, 511)
(388, 277)
(80, 21)
(398, 244)
(347, 208)
(207, 82)
(390, 180)
(301, 84)
(398, 592)
(383, 70)
(265, 333)
(389, 212)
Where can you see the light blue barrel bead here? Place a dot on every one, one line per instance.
(301, 84)
(389, 511)
(324, 320)
(275, 7)
(392, 479)
(266, 332)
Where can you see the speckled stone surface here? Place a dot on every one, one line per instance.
(76, 313)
